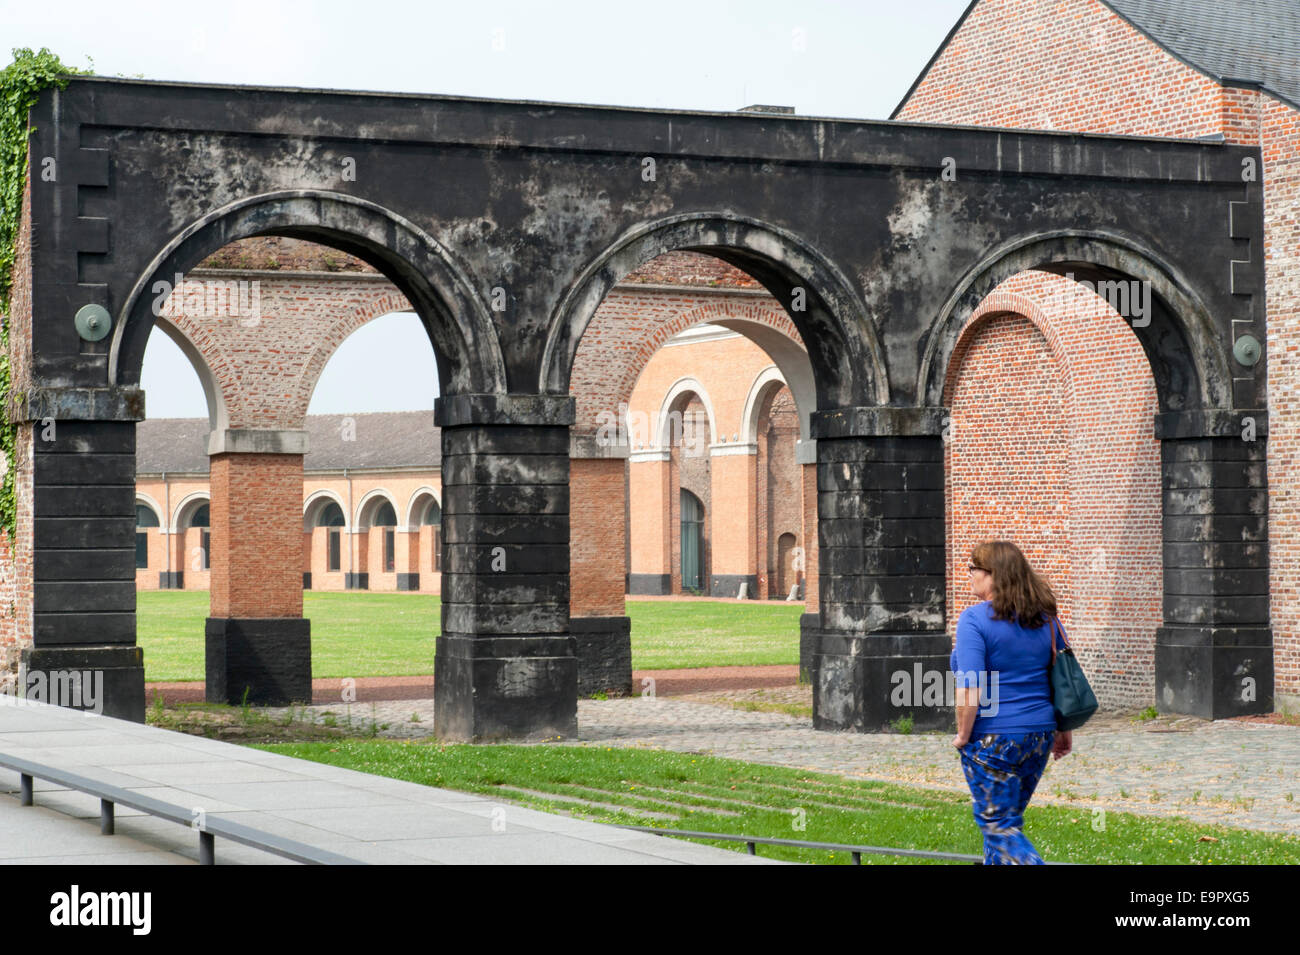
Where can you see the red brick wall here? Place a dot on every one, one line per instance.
(1007, 456)
(1065, 65)
(266, 367)
(1050, 445)
(690, 268)
(256, 516)
(597, 555)
(783, 492)
(1280, 136)
(16, 571)
(1075, 65)
(630, 327)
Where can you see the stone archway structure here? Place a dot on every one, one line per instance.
(504, 224)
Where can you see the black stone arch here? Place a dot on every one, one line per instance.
(1185, 348)
(465, 342)
(847, 358)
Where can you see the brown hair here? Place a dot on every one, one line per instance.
(1018, 592)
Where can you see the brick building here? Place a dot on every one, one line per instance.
(371, 503)
(372, 483)
(1049, 381)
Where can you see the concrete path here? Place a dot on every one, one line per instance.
(1226, 772)
(369, 818)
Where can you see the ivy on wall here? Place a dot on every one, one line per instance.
(20, 84)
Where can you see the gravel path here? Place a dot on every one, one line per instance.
(1231, 772)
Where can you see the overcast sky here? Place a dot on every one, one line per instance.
(846, 58)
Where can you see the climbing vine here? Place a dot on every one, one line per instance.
(20, 84)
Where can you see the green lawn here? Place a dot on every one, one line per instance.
(700, 633)
(391, 634)
(720, 795)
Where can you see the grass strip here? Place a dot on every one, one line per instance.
(790, 804)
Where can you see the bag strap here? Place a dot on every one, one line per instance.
(1055, 624)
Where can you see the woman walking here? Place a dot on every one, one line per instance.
(1005, 722)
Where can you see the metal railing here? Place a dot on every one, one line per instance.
(111, 796)
(752, 843)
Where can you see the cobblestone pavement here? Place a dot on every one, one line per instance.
(1227, 772)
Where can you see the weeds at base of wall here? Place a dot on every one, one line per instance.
(903, 725)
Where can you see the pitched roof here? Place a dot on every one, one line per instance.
(1257, 41)
(1253, 40)
(383, 439)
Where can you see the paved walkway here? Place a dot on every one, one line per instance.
(1227, 772)
(369, 818)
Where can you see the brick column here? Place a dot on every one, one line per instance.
(505, 665)
(597, 572)
(1214, 654)
(407, 557)
(732, 476)
(650, 481)
(256, 638)
(356, 575)
(76, 520)
(881, 537)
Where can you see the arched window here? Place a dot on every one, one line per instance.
(331, 516)
(787, 566)
(144, 518)
(434, 514)
(200, 520)
(692, 527)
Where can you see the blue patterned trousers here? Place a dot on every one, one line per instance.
(1002, 772)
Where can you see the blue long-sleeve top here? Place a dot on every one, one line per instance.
(1009, 664)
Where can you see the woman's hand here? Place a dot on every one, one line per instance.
(1062, 743)
(968, 704)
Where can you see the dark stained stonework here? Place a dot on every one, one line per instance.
(603, 646)
(649, 585)
(728, 585)
(270, 658)
(505, 663)
(879, 238)
(809, 625)
(881, 553)
(1214, 654)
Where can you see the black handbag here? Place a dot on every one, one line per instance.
(1072, 697)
